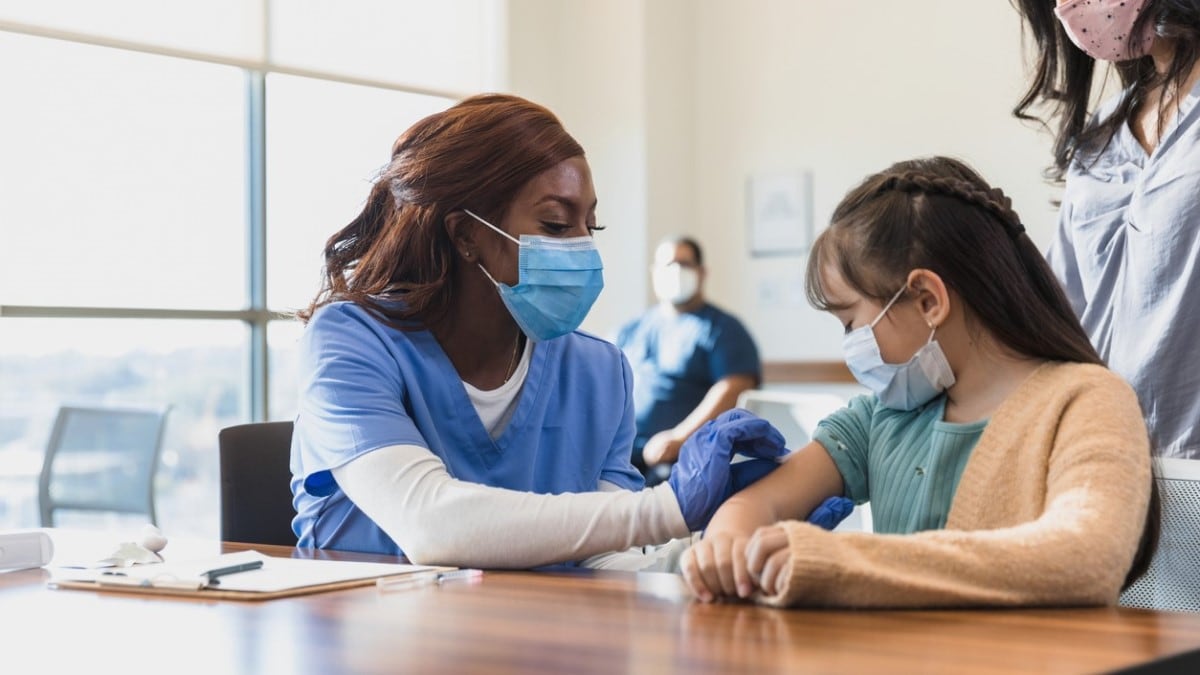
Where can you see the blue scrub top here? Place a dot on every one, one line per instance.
(365, 385)
(677, 357)
(1128, 254)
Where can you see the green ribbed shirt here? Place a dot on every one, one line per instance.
(906, 464)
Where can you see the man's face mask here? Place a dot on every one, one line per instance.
(900, 386)
(675, 283)
(558, 280)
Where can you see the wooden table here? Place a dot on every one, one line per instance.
(524, 622)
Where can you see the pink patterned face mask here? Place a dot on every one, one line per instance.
(1102, 28)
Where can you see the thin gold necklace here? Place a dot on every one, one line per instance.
(512, 363)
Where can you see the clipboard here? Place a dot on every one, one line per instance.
(277, 578)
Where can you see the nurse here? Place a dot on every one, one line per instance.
(1127, 249)
(450, 411)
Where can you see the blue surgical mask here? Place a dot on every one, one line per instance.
(901, 386)
(558, 280)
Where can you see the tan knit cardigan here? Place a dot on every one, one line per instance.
(1049, 511)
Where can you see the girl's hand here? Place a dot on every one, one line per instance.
(769, 558)
(715, 567)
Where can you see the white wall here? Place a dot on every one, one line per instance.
(845, 89)
(585, 61)
(670, 42)
(678, 102)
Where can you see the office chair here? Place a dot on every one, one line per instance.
(1173, 580)
(101, 459)
(256, 493)
(796, 414)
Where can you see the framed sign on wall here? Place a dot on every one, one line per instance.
(779, 213)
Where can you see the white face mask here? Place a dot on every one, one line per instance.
(675, 283)
(899, 386)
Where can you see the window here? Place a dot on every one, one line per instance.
(169, 185)
(109, 204)
(441, 45)
(198, 367)
(318, 178)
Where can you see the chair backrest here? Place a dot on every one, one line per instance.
(256, 493)
(101, 459)
(1173, 580)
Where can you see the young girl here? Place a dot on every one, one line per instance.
(1004, 464)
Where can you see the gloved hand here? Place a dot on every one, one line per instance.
(743, 474)
(702, 478)
(831, 512)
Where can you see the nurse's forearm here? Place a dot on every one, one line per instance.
(438, 520)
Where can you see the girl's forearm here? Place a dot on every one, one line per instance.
(741, 516)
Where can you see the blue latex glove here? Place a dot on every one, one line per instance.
(831, 512)
(747, 473)
(702, 478)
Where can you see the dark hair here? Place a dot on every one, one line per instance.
(477, 155)
(1064, 73)
(688, 242)
(939, 214)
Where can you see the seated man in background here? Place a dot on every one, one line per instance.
(690, 359)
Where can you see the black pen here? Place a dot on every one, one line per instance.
(232, 569)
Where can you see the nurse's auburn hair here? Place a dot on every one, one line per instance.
(478, 152)
(938, 214)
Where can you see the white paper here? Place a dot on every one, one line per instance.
(276, 574)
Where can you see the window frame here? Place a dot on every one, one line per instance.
(256, 315)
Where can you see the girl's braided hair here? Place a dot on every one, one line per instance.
(992, 200)
(938, 214)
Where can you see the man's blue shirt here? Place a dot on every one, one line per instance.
(677, 357)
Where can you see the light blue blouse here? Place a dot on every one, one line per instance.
(1128, 254)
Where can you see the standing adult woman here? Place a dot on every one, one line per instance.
(1128, 244)
(450, 411)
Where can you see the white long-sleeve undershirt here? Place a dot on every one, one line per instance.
(439, 520)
